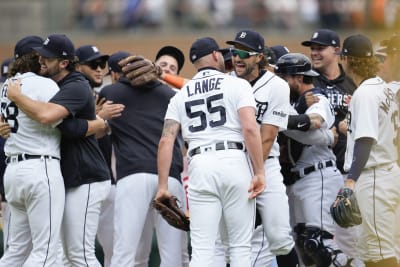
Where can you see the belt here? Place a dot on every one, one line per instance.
(301, 172)
(21, 157)
(217, 146)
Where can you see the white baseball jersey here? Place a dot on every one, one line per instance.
(272, 101)
(373, 113)
(316, 153)
(47, 139)
(211, 105)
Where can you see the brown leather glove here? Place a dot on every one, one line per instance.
(139, 70)
(172, 213)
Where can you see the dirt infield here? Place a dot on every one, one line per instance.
(148, 43)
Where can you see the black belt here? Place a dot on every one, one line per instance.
(217, 146)
(21, 157)
(307, 170)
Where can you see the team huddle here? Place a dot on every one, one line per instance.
(276, 158)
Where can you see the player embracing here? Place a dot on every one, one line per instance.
(371, 155)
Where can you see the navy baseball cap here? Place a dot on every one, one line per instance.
(390, 46)
(57, 46)
(323, 37)
(278, 50)
(250, 39)
(26, 45)
(357, 45)
(203, 47)
(88, 53)
(115, 58)
(173, 52)
(4, 68)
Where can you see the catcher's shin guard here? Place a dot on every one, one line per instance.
(299, 241)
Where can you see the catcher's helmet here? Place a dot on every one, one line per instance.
(294, 63)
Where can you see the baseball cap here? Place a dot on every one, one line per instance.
(4, 68)
(115, 58)
(203, 47)
(278, 50)
(57, 46)
(324, 37)
(357, 45)
(173, 52)
(26, 45)
(88, 53)
(391, 46)
(250, 39)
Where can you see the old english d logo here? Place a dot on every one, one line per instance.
(243, 35)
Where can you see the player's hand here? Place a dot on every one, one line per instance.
(257, 185)
(343, 126)
(162, 194)
(347, 99)
(109, 110)
(5, 129)
(311, 99)
(99, 103)
(350, 183)
(315, 121)
(13, 88)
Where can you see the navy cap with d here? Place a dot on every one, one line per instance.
(173, 52)
(324, 37)
(26, 45)
(391, 46)
(57, 46)
(115, 58)
(88, 53)
(202, 47)
(357, 45)
(250, 39)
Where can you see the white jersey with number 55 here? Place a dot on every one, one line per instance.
(212, 100)
(374, 113)
(24, 129)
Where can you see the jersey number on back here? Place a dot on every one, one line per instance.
(9, 111)
(202, 115)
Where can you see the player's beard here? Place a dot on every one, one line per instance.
(94, 83)
(246, 72)
(50, 73)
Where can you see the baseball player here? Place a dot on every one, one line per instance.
(371, 153)
(215, 113)
(316, 180)
(272, 98)
(85, 173)
(32, 181)
(324, 46)
(135, 137)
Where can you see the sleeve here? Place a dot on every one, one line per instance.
(312, 137)
(365, 115)
(324, 109)
(73, 128)
(73, 97)
(278, 105)
(173, 110)
(244, 95)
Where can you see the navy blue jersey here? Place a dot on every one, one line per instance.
(81, 159)
(136, 134)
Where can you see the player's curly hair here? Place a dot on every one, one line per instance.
(26, 63)
(365, 67)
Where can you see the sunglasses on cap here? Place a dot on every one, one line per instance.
(95, 64)
(242, 53)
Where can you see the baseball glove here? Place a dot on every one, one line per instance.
(172, 213)
(139, 70)
(345, 209)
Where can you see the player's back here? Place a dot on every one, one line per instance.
(24, 129)
(207, 107)
(379, 121)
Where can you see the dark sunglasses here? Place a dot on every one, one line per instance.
(242, 54)
(95, 64)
